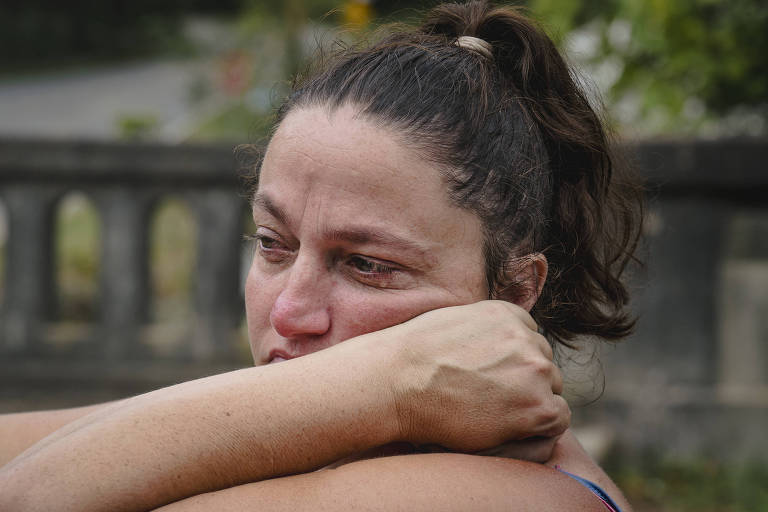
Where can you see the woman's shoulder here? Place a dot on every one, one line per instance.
(477, 482)
(416, 482)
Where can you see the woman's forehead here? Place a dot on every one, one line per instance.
(342, 135)
(340, 149)
(332, 168)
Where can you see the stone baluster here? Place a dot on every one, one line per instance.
(29, 276)
(743, 305)
(217, 301)
(124, 274)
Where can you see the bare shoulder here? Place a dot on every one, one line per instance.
(420, 482)
(455, 481)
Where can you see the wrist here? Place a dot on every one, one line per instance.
(372, 364)
(396, 370)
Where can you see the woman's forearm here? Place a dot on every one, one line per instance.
(204, 435)
(466, 377)
(19, 431)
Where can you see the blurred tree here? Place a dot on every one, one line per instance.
(274, 38)
(682, 66)
(662, 66)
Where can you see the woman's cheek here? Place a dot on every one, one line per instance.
(252, 290)
(261, 292)
(383, 309)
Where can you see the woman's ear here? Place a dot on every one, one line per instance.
(524, 279)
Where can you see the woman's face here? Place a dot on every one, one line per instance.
(355, 233)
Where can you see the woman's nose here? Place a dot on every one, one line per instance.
(301, 308)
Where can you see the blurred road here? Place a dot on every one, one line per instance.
(90, 103)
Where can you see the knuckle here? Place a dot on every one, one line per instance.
(545, 346)
(498, 307)
(549, 415)
(566, 419)
(541, 367)
(561, 419)
(550, 419)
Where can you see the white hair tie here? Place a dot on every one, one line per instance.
(476, 45)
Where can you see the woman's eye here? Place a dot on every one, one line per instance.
(270, 248)
(265, 242)
(373, 272)
(369, 266)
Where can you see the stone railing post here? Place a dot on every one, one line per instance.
(29, 275)
(218, 267)
(124, 269)
(743, 305)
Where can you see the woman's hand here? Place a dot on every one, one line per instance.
(473, 377)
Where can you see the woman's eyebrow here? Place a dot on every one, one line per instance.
(353, 234)
(266, 203)
(366, 235)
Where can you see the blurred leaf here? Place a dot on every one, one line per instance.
(137, 127)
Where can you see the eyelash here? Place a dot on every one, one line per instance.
(380, 272)
(259, 239)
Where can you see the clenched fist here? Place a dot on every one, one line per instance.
(473, 377)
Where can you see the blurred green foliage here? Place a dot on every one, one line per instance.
(662, 66)
(173, 250)
(678, 66)
(76, 258)
(688, 67)
(234, 122)
(137, 126)
(701, 485)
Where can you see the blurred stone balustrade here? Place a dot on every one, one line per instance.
(693, 380)
(125, 182)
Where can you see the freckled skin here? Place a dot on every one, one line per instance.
(332, 171)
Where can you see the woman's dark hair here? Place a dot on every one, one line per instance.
(520, 145)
